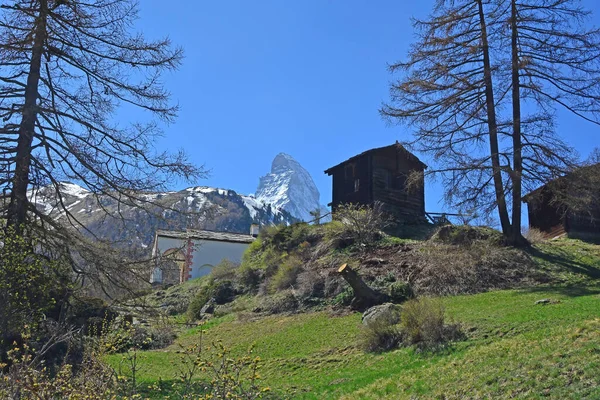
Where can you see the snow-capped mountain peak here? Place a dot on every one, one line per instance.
(289, 187)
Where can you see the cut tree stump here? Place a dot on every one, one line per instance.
(364, 295)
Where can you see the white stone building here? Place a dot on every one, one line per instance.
(181, 256)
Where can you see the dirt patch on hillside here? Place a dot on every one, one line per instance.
(445, 269)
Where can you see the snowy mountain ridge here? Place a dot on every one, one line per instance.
(199, 207)
(289, 187)
(286, 195)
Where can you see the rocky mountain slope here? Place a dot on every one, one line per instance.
(199, 207)
(286, 195)
(289, 187)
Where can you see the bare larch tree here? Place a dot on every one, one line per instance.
(447, 91)
(66, 67)
(555, 62)
(480, 84)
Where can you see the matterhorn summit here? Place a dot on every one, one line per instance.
(289, 187)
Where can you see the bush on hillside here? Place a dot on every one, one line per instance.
(355, 223)
(535, 236)
(267, 256)
(310, 283)
(91, 314)
(400, 291)
(262, 257)
(422, 323)
(125, 337)
(288, 238)
(224, 271)
(280, 302)
(33, 288)
(464, 235)
(222, 292)
(381, 335)
(248, 278)
(286, 274)
(344, 298)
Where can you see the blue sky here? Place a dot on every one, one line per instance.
(301, 77)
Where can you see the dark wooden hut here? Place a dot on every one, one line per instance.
(381, 175)
(567, 205)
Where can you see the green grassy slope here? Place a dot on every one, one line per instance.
(513, 349)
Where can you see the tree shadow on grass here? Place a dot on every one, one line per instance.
(591, 238)
(567, 263)
(565, 290)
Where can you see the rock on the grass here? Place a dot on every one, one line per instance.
(209, 307)
(388, 313)
(547, 301)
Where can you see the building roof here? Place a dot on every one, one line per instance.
(396, 145)
(206, 235)
(531, 195)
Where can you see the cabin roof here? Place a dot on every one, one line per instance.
(526, 198)
(206, 235)
(396, 145)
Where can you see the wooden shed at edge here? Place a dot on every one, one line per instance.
(553, 217)
(380, 175)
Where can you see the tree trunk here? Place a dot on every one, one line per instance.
(493, 126)
(364, 296)
(516, 238)
(17, 208)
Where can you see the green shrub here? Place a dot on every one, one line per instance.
(260, 256)
(32, 288)
(400, 292)
(225, 270)
(248, 278)
(355, 223)
(286, 274)
(381, 335)
(194, 309)
(344, 298)
(267, 232)
(422, 323)
(278, 303)
(252, 257)
(151, 338)
(272, 259)
(336, 235)
(286, 238)
(125, 337)
(222, 292)
(464, 235)
(90, 314)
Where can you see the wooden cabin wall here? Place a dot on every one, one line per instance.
(585, 222)
(551, 220)
(588, 220)
(545, 216)
(390, 174)
(344, 180)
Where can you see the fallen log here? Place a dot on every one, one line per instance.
(364, 295)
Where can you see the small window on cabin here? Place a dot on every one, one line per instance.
(349, 171)
(388, 180)
(356, 185)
